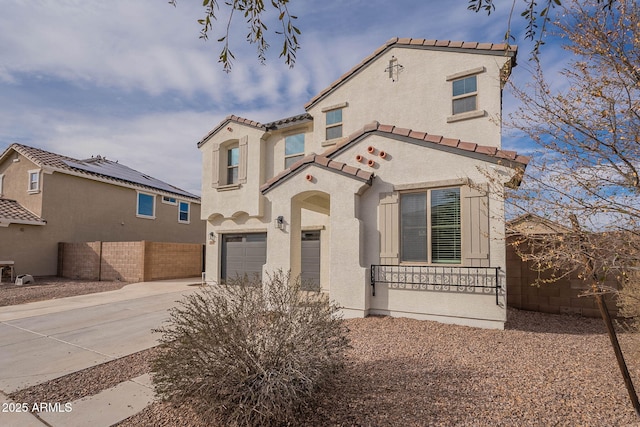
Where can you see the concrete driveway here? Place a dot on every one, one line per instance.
(45, 340)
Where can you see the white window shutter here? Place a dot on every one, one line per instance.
(389, 228)
(242, 167)
(475, 226)
(215, 167)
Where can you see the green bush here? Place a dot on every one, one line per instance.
(250, 353)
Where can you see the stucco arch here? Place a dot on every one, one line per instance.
(335, 195)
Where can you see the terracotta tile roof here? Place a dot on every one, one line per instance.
(12, 212)
(98, 168)
(506, 157)
(266, 126)
(323, 162)
(486, 48)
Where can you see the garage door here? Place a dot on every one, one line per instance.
(243, 254)
(310, 258)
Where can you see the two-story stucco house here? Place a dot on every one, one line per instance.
(379, 193)
(47, 198)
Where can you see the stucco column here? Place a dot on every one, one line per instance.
(348, 280)
(279, 241)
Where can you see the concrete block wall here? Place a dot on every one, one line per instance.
(172, 260)
(88, 252)
(562, 296)
(122, 261)
(129, 261)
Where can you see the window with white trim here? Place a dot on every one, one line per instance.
(430, 230)
(333, 122)
(465, 95)
(169, 200)
(34, 181)
(293, 149)
(146, 206)
(233, 164)
(1, 184)
(184, 212)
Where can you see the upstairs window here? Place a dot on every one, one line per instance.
(169, 200)
(233, 163)
(293, 149)
(465, 95)
(183, 212)
(1, 182)
(430, 226)
(333, 123)
(34, 181)
(146, 207)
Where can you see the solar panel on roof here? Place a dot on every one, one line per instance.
(118, 171)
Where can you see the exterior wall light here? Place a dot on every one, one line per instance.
(212, 237)
(279, 222)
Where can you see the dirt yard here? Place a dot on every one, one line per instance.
(46, 288)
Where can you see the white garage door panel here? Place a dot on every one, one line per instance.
(243, 254)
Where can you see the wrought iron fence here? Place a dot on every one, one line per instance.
(437, 278)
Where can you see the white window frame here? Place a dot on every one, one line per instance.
(297, 156)
(33, 186)
(471, 113)
(229, 167)
(342, 107)
(138, 214)
(188, 220)
(1, 184)
(169, 200)
(429, 227)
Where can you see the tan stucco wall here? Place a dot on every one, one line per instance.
(16, 182)
(80, 210)
(420, 98)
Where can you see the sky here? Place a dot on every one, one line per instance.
(132, 81)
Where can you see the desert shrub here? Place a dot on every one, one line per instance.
(250, 353)
(629, 296)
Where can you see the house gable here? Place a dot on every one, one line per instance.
(425, 44)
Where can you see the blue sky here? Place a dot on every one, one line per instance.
(132, 81)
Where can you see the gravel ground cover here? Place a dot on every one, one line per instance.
(46, 288)
(543, 370)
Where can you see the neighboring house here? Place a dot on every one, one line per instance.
(47, 198)
(378, 194)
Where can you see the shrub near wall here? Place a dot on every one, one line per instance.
(562, 296)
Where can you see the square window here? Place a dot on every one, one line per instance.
(431, 226)
(333, 120)
(293, 149)
(465, 95)
(146, 205)
(183, 212)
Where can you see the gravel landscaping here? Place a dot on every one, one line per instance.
(46, 288)
(543, 370)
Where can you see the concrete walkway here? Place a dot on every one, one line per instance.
(44, 340)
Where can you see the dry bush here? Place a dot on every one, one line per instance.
(629, 297)
(250, 353)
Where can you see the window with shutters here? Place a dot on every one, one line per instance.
(430, 226)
